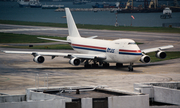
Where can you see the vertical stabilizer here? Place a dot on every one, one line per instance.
(72, 29)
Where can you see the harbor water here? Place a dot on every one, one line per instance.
(12, 11)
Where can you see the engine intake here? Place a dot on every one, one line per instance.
(75, 61)
(145, 59)
(39, 59)
(161, 54)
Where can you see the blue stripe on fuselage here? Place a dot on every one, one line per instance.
(89, 49)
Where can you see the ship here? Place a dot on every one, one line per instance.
(35, 4)
(52, 6)
(29, 3)
(23, 3)
(166, 13)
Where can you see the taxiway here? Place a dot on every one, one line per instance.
(17, 72)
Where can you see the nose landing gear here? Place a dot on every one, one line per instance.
(130, 67)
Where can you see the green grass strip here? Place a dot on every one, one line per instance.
(33, 23)
(97, 27)
(23, 38)
(170, 55)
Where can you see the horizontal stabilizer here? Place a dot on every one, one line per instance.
(58, 40)
(92, 37)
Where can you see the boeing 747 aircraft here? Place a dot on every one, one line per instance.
(97, 51)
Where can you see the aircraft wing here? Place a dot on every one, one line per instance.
(156, 49)
(56, 54)
(37, 53)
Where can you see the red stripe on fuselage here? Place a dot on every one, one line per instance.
(134, 51)
(89, 46)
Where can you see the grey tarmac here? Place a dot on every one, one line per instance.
(17, 72)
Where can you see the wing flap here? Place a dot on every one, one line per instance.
(156, 49)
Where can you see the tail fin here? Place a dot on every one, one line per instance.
(72, 29)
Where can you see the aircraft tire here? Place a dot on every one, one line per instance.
(105, 64)
(87, 65)
(95, 65)
(130, 68)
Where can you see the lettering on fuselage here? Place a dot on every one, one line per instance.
(110, 50)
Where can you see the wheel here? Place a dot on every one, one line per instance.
(95, 65)
(87, 65)
(105, 64)
(130, 68)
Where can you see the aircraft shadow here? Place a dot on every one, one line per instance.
(124, 68)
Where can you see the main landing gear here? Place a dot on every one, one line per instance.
(86, 64)
(130, 67)
(95, 64)
(105, 65)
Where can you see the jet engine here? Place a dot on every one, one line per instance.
(39, 59)
(75, 61)
(161, 54)
(145, 59)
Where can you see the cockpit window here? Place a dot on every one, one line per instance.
(132, 43)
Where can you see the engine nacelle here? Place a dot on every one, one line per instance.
(145, 59)
(161, 54)
(39, 59)
(75, 61)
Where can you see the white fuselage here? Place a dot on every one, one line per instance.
(117, 51)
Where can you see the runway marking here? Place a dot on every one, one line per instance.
(42, 29)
